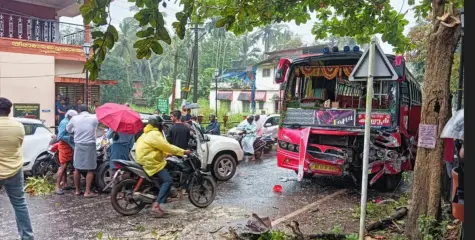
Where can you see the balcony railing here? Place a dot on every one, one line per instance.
(35, 29)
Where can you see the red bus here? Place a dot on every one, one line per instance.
(318, 96)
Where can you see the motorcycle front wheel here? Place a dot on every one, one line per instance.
(202, 188)
(124, 192)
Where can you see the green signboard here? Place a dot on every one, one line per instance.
(162, 104)
(29, 110)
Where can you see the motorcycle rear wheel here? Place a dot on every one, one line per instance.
(196, 188)
(128, 184)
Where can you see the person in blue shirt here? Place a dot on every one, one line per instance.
(122, 143)
(65, 150)
(213, 127)
(61, 109)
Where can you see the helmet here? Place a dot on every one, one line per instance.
(156, 121)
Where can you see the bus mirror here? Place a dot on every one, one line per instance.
(282, 68)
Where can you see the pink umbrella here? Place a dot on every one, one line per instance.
(119, 118)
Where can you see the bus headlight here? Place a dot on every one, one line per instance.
(291, 147)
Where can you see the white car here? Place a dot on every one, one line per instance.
(220, 155)
(37, 141)
(270, 123)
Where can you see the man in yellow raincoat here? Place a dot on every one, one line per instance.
(151, 151)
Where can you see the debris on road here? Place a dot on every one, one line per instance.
(387, 221)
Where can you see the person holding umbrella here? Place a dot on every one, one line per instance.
(122, 143)
(123, 124)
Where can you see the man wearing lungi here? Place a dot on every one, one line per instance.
(65, 149)
(84, 127)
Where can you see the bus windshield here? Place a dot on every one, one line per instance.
(326, 89)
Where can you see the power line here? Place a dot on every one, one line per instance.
(38, 76)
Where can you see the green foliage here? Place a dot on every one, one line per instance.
(376, 211)
(273, 235)
(100, 236)
(358, 19)
(430, 228)
(337, 229)
(352, 236)
(419, 35)
(38, 186)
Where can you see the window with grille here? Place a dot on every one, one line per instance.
(261, 105)
(266, 72)
(246, 106)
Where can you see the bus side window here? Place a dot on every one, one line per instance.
(405, 93)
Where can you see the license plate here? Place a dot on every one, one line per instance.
(321, 167)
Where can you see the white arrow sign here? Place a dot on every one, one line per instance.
(383, 70)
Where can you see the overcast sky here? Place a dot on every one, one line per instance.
(120, 10)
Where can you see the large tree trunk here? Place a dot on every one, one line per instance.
(426, 193)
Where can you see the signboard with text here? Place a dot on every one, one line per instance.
(427, 136)
(377, 119)
(162, 104)
(28, 110)
(335, 117)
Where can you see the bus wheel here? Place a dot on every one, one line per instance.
(388, 182)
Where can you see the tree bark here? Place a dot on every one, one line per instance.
(426, 192)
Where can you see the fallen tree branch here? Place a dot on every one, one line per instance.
(387, 221)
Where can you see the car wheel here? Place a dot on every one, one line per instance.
(104, 176)
(224, 167)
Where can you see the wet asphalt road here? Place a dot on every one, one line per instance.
(250, 191)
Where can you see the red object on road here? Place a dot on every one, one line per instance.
(119, 118)
(278, 188)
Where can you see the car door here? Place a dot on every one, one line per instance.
(201, 146)
(37, 140)
(274, 128)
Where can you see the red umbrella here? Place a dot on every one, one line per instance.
(119, 118)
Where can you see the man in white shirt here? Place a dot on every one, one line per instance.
(84, 127)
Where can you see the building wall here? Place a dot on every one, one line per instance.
(26, 78)
(266, 83)
(71, 69)
(237, 106)
(13, 7)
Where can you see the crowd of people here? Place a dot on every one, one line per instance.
(77, 128)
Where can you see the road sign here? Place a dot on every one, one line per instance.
(162, 104)
(383, 69)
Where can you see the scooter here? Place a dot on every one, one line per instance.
(258, 145)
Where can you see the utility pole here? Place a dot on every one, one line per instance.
(174, 79)
(195, 66)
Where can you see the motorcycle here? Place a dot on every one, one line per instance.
(138, 189)
(270, 142)
(47, 164)
(259, 145)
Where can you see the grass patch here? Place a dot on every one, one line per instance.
(38, 186)
(376, 211)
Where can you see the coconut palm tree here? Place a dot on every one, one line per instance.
(269, 33)
(248, 54)
(124, 48)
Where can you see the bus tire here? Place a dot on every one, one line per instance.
(388, 182)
